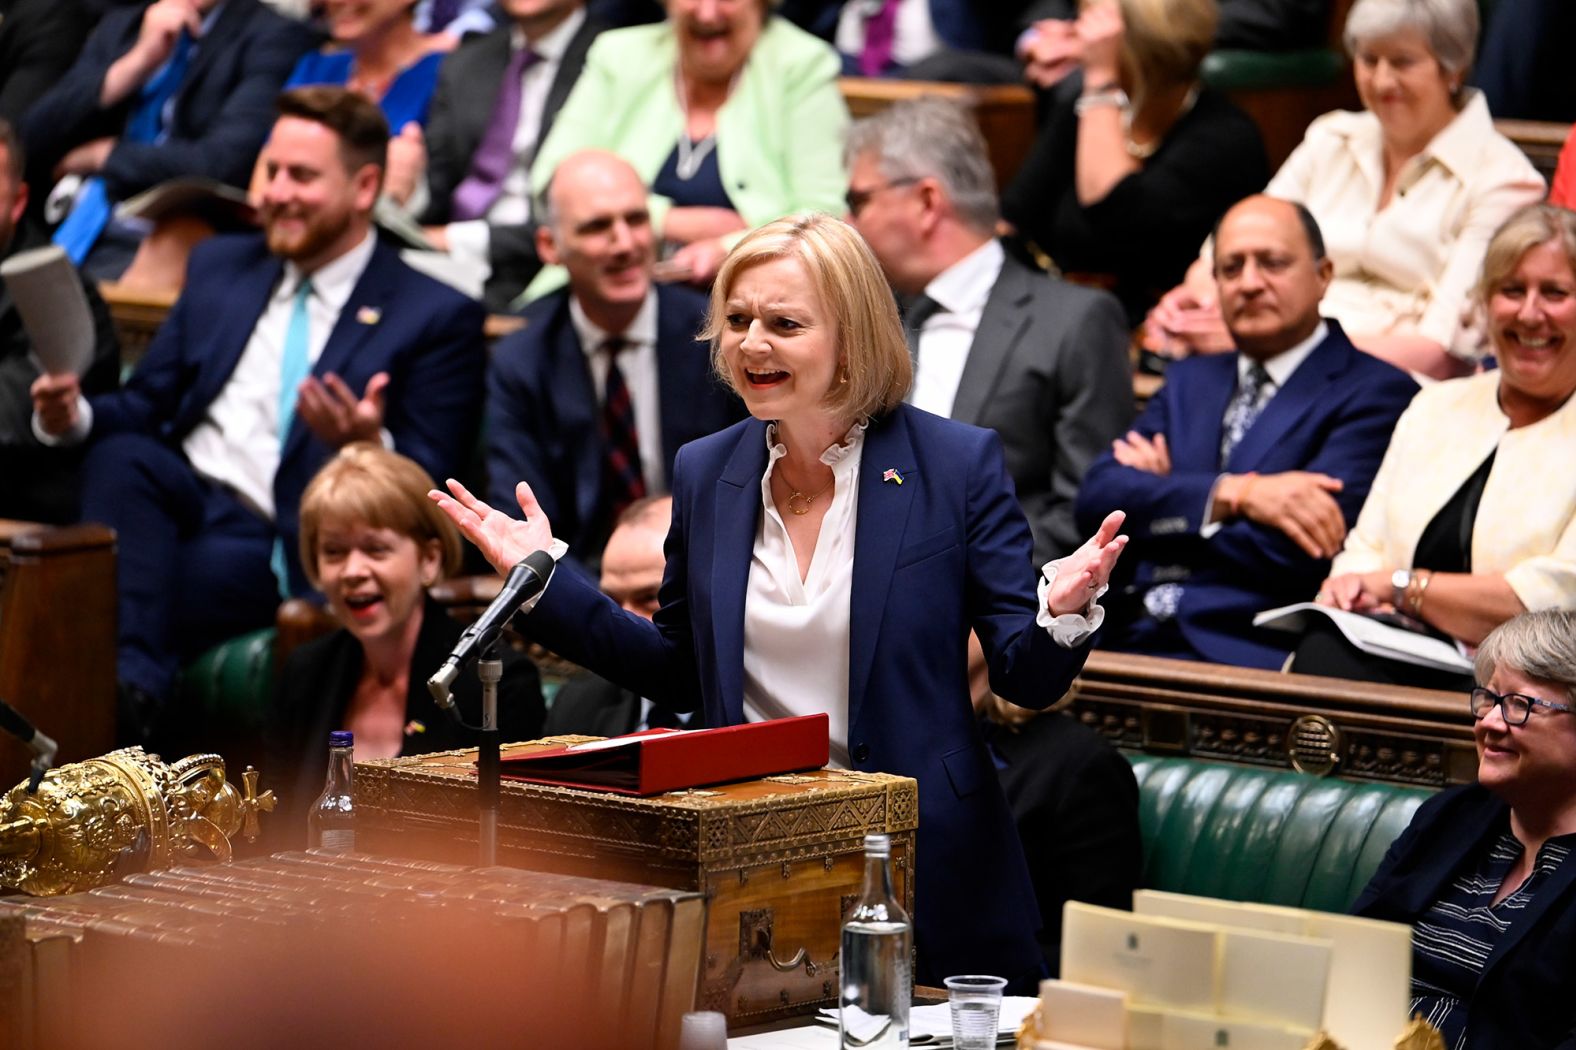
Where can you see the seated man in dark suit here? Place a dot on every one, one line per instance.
(1245, 471)
(953, 40)
(175, 88)
(281, 349)
(1074, 801)
(591, 401)
(496, 100)
(1042, 362)
(632, 565)
(41, 483)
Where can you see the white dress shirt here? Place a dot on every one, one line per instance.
(946, 337)
(914, 35)
(471, 239)
(638, 362)
(237, 443)
(796, 631)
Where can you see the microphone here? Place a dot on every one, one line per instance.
(44, 749)
(521, 589)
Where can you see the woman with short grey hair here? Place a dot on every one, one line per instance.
(1408, 193)
(1485, 872)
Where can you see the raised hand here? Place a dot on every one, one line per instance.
(503, 540)
(333, 412)
(1149, 455)
(1087, 569)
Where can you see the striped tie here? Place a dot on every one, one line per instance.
(623, 481)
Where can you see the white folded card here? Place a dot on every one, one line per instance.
(1164, 962)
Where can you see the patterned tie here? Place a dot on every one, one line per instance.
(1249, 400)
(623, 482)
(880, 36)
(493, 157)
(294, 365)
(90, 211)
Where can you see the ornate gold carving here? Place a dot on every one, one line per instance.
(127, 811)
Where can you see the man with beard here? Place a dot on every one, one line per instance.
(281, 349)
(590, 402)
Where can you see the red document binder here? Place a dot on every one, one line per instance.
(661, 760)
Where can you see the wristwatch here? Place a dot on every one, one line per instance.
(1400, 580)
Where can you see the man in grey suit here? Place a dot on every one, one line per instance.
(496, 99)
(1041, 362)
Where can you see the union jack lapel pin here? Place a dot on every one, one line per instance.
(369, 315)
(891, 474)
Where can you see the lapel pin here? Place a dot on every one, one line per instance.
(891, 474)
(414, 727)
(369, 315)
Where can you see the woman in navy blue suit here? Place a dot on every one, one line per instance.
(831, 555)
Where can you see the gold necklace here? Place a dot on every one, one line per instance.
(799, 503)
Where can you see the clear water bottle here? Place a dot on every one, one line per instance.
(878, 947)
(331, 824)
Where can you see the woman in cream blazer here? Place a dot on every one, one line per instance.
(1521, 517)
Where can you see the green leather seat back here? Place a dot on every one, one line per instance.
(228, 688)
(1228, 70)
(1271, 836)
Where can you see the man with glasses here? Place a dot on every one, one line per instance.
(1041, 362)
(1485, 873)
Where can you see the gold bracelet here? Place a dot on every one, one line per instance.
(1414, 591)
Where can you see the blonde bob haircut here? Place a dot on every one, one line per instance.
(852, 290)
(368, 483)
(1163, 43)
(1526, 229)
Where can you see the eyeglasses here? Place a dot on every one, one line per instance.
(857, 199)
(1516, 707)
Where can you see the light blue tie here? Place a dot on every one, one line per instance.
(294, 366)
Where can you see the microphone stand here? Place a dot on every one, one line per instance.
(489, 669)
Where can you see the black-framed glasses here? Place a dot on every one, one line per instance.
(1515, 707)
(857, 199)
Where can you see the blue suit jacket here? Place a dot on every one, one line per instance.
(946, 550)
(427, 336)
(221, 115)
(1334, 416)
(1526, 995)
(544, 423)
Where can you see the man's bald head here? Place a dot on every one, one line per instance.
(594, 221)
(1272, 272)
(633, 560)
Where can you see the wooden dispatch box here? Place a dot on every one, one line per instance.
(780, 860)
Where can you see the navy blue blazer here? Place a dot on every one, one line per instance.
(946, 550)
(1526, 995)
(1334, 416)
(427, 336)
(544, 423)
(222, 113)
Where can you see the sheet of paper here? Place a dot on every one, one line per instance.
(1165, 962)
(1083, 1015)
(1370, 979)
(1273, 978)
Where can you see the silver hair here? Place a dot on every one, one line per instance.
(935, 138)
(1449, 26)
(1540, 645)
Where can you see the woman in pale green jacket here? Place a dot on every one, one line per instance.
(731, 115)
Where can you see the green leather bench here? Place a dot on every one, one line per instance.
(1275, 837)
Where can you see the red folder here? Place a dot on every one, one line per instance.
(661, 760)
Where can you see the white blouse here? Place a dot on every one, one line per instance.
(796, 631)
